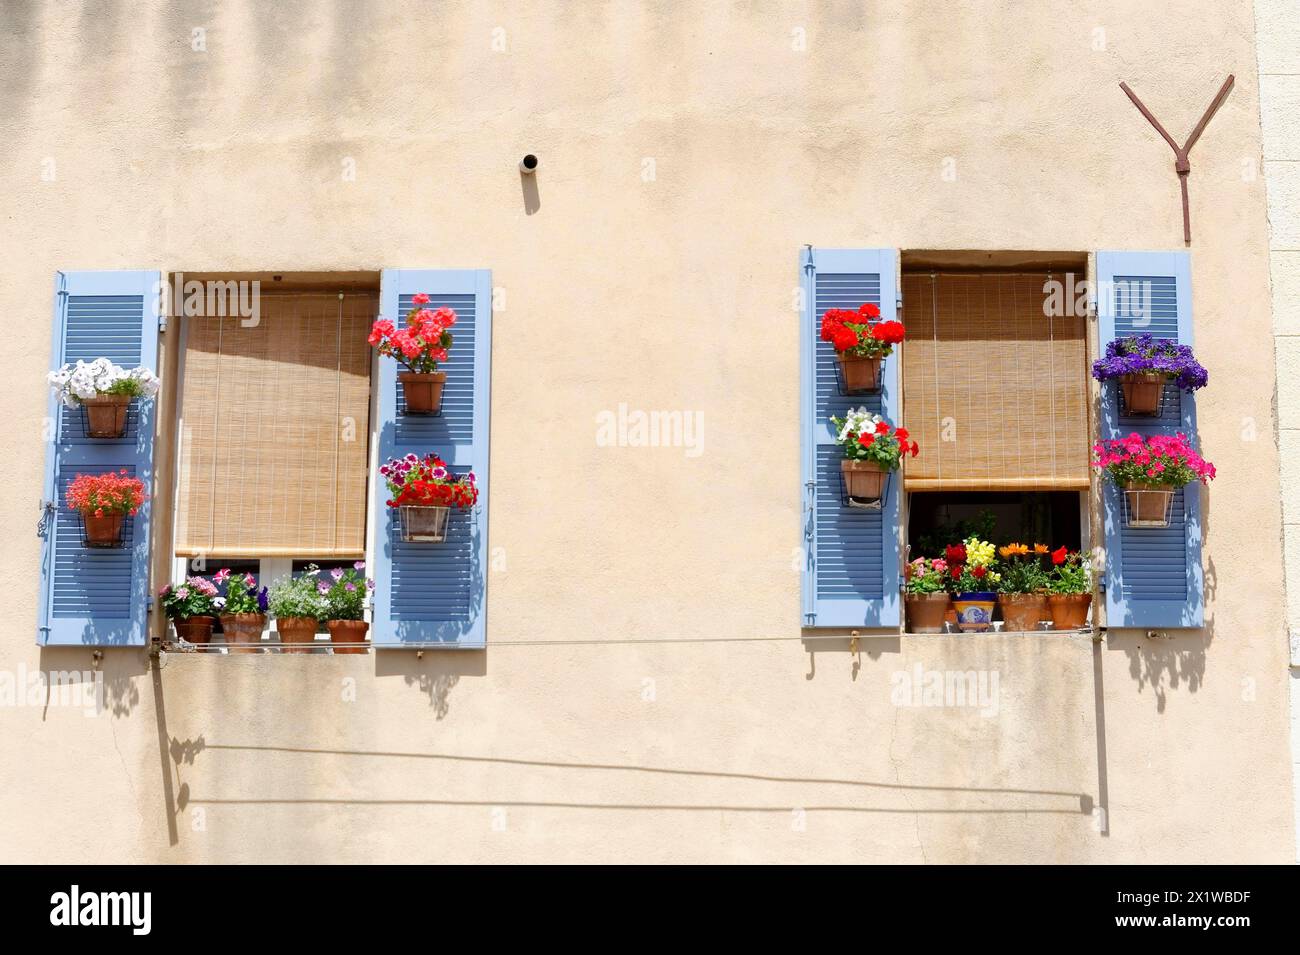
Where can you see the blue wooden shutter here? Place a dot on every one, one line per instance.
(850, 576)
(1154, 576)
(89, 596)
(435, 594)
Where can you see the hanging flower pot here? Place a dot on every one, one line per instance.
(104, 501)
(1143, 393)
(419, 345)
(243, 631)
(103, 391)
(1069, 611)
(297, 634)
(1148, 505)
(348, 636)
(424, 491)
(861, 342)
(194, 629)
(104, 530)
(860, 375)
(975, 610)
(422, 391)
(873, 449)
(426, 525)
(1143, 364)
(864, 481)
(105, 415)
(1148, 471)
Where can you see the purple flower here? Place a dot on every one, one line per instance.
(1146, 353)
(322, 586)
(336, 573)
(349, 586)
(262, 600)
(359, 565)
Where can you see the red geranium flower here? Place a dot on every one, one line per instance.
(955, 553)
(979, 572)
(867, 310)
(1059, 555)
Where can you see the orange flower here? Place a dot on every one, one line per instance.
(1040, 548)
(1013, 550)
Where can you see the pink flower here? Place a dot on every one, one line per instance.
(222, 575)
(359, 565)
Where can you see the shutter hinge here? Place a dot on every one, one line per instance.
(43, 523)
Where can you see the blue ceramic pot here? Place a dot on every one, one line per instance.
(975, 611)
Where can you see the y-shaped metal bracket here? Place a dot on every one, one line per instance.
(1182, 162)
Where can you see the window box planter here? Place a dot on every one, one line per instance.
(197, 629)
(975, 610)
(1023, 612)
(422, 391)
(1069, 611)
(297, 634)
(1143, 393)
(423, 525)
(104, 416)
(243, 631)
(348, 636)
(1148, 505)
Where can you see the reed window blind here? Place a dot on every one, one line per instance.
(995, 390)
(274, 430)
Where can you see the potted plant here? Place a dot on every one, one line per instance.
(190, 607)
(1022, 592)
(1149, 470)
(1069, 589)
(873, 448)
(104, 502)
(419, 346)
(103, 391)
(925, 594)
(298, 607)
(861, 343)
(243, 611)
(973, 583)
(345, 594)
(1143, 364)
(424, 491)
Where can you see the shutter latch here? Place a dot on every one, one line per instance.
(811, 489)
(47, 513)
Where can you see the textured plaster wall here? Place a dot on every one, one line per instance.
(646, 694)
(1278, 25)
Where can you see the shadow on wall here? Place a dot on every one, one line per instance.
(434, 672)
(67, 667)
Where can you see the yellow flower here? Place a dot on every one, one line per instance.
(979, 553)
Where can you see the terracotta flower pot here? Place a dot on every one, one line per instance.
(1022, 611)
(863, 480)
(1148, 506)
(422, 391)
(1143, 392)
(103, 531)
(926, 612)
(975, 611)
(243, 631)
(347, 631)
(860, 374)
(297, 634)
(423, 524)
(106, 415)
(1069, 611)
(194, 629)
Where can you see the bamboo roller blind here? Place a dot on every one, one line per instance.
(275, 423)
(994, 390)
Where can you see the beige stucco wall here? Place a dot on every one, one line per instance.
(646, 694)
